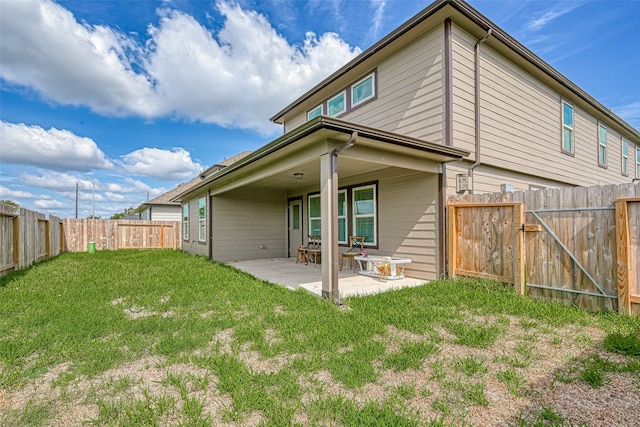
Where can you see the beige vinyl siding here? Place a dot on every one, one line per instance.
(410, 91)
(192, 245)
(407, 216)
(166, 213)
(489, 179)
(521, 125)
(245, 219)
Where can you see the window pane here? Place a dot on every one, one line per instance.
(566, 140)
(567, 115)
(342, 203)
(362, 90)
(363, 201)
(342, 229)
(296, 217)
(314, 113)
(201, 208)
(603, 155)
(314, 227)
(603, 135)
(365, 227)
(314, 206)
(185, 212)
(336, 105)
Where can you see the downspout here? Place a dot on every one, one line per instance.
(210, 225)
(335, 291)
(477, 106)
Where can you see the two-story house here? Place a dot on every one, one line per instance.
(446, 103)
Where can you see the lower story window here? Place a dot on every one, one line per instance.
(185, 222)
(364, 213)
(202, 219)
(315, 216)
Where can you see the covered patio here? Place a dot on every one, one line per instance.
(288, 273)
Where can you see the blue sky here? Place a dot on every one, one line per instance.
(130, 98)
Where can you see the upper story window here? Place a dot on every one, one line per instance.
(337, 105)
(567, 127)
(625, 157)
(351, 97)
(202, 219)
(315, 112)
(638, 162)
(602, 145)
(363, 90)
(185, 222)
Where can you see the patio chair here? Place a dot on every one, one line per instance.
(313, 251)
(356, 246)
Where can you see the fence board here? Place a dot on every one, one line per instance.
(120, 234)
(577, 224)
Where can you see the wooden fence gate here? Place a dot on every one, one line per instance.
(577, 246)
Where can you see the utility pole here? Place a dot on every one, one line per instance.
(76, 199)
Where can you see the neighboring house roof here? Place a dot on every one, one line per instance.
(332, 126)
(170, 197)
(458, 8)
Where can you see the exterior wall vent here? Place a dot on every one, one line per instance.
(462, 182)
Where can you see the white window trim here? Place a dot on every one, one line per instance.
(321, 107)
(202, 228)
(344, 109)
(602, 161)
(345, 217)
(373, 89)
(375, 213)
(624, 167)
(571, 128)
(185, 222)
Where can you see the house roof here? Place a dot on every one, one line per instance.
(169, 198)
(332, 126)
(461, 8)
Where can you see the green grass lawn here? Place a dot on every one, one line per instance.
(163, 338)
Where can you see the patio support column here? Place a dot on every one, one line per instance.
(329, 224)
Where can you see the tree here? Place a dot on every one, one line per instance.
(16, 207)
(10, 202)
(126, 212)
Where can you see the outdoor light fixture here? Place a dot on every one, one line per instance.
(298, 175)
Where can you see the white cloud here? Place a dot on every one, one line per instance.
(161, 164)
(52, 180)
(8, 193)
(630, 112)
(556, 11)
(48, 204)
(378, 18)
(43, 47)
(53, 148)
(237, 78)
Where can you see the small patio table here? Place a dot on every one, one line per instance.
(383, 267)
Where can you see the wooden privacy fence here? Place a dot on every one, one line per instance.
(577, 245)
(110, 234)
(27, 237)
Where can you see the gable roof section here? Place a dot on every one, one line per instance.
(328, 126)
(456, 8)
(167, 199)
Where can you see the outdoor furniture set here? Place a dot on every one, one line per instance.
(382, 267)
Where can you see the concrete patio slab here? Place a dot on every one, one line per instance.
(288, 273)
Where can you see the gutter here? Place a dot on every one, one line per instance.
(336, 125)
(476, 63)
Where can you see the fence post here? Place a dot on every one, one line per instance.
(519, 278)
(624, 257)
(16, 242)
(453, 242)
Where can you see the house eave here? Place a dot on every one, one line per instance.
(437, 152)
